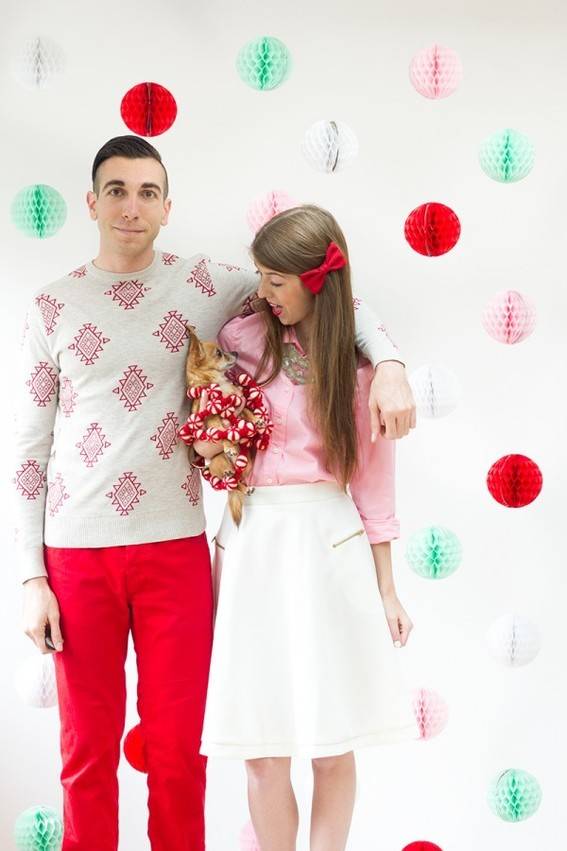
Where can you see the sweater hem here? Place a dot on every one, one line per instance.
(118, 531)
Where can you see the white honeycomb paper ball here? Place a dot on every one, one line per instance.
(513, 640)
(38, 62)
(35, 681)
(329, 145)
(436, 390)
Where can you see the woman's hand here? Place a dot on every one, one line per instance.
(398, 620)
(206, 448)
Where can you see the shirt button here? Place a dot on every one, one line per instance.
(270, 481)
(275, 449)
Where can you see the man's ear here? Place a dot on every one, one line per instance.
(91, 204)
(166, 211)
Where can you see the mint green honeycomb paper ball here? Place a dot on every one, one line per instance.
(434, 552)
(263, 63)
(39, 211)
(507, 156)
(514, 795)
(38, 829)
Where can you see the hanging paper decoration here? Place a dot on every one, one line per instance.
(35, 681)
(513, 640)
(432, 229)
(38, 829)
(38, 63)
(514, 795)
(436, 71)
(265, 208)
(509, 317)
(248, 839)
(422, 846)
(264, 63)
(435, 389)
(514, 480)
(507, 156)
(329, 145)
(39, 211)
(434, 552)
(135, 749)
(148, 109)
(431, 712)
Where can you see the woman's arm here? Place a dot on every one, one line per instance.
(398, 620)
(383, 560)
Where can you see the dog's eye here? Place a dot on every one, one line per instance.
(219, 353)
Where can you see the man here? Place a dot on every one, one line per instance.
(111, 525)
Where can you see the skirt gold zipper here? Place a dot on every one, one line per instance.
(354, 534)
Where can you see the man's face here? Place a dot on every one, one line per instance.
(129, 206)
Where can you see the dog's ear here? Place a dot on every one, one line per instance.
(196, 351)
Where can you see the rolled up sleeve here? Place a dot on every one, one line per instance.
(373, 485)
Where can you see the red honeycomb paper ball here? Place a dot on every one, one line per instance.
(135, 749)
(422, 846)
(148, 109)
(514, 480)
(432, 229)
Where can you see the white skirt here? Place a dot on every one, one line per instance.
(303, 663)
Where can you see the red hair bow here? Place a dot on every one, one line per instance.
(315, 278)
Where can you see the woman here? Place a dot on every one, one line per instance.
(303, 660)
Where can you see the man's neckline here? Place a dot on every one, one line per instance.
(104, 274)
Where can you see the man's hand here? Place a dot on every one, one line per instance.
(391, 402)
(41, 609)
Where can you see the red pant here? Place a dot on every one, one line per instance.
(162, 592)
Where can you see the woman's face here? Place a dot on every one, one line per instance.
(289, 299)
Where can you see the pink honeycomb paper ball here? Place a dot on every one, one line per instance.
(262, 209)
(509, 317)
(431, 712)
(248, 839)
(436, 71)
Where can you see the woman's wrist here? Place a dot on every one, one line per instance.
(388, 593)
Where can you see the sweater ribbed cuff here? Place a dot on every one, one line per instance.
(31, 563)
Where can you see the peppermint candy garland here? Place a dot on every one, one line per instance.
(239, 431)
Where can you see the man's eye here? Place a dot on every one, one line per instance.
(149, 193)
(112, 191)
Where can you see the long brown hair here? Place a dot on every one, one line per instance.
(293, 242)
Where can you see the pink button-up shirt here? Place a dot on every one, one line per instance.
(295, 454)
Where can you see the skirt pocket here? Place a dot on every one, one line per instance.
(220, 543)
(343, 540)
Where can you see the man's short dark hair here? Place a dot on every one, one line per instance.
(132, 147)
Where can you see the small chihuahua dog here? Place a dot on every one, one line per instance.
(207, 364)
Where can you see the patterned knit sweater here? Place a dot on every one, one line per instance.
(102, 395)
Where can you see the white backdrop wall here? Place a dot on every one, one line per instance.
(230, 144)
